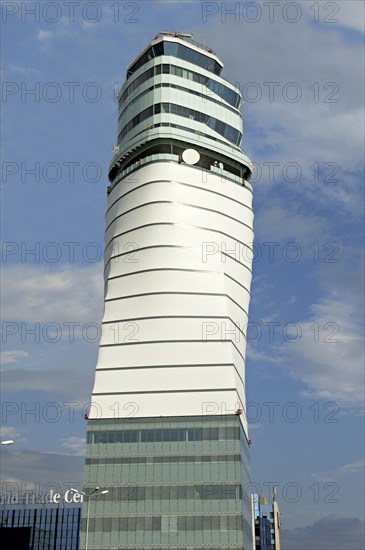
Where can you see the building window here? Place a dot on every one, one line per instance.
(225, 130)
(217, 88)
(176, 50)
(163, 435)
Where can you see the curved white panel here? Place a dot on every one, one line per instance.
(178, 273)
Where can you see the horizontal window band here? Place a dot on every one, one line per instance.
(180, 53)
(194, 134)
(173, 342)
(134, 251)
(181, 225)
(164, 525)
(172, 459)
(150, 456)
(164, 435)
(190, 484)
(156, 269)
(220, 89)
(230, 133)
(221, 295)
(179, 204)
(172, 86)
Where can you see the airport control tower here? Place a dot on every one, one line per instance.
(166, 435)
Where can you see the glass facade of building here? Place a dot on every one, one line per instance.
(43, 528)
(173, 482)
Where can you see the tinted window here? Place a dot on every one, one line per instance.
(176, 50)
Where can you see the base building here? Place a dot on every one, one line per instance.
(46, 527)
(166, 437)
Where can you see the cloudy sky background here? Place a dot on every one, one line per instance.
(300, 69)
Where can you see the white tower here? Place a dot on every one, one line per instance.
(177, 286)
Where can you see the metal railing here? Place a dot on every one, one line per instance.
(187, 37)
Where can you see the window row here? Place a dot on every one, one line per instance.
(142, 115)
(216, 547)
(211, 491)
(163, 435)
(178, 459)
(225, 130)
(227, 94)
(165, 524)
(40, 517)
(167, 150)
(176, 50)
(174, 87)
(180, 127)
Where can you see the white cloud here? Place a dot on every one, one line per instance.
(12, 356)
(76, 444)
(352, 467)
(8, 432)
(61, 381)
(347, 469)
(328, 354)
(42, 470)
(34, 295)
(37, 294)
(328, 357)
(261, 356)
(88, 25)
(286, 225)
(351, 14)
(314, 129)
(43, 36)
(333, 532)
(25, 71)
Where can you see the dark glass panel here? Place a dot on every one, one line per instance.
(198, 523)
(107, 524)
(132, 523)
(158, 49)
(166, 435)
(207, 523)
(123, 523)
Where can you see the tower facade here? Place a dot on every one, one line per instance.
(165, 434)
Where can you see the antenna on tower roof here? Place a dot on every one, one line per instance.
(176, 34)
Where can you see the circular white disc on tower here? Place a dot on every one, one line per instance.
(190, 156)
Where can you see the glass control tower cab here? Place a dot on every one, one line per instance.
(166, 433)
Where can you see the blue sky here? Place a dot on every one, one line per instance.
(300, 68)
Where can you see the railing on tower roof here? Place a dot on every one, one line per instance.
(187, 37)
